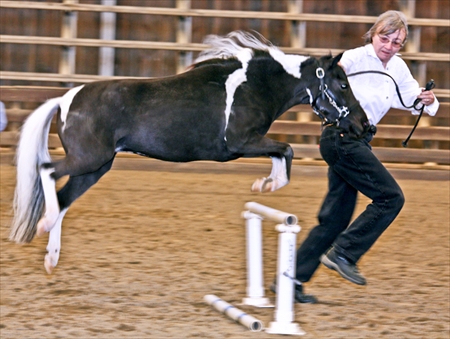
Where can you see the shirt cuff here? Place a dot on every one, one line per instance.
(433, 108)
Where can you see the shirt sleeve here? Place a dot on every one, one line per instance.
(349, 58)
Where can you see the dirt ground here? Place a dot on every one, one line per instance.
(142, 248)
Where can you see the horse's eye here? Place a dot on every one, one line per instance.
(344, 86)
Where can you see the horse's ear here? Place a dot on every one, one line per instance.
(336, 60)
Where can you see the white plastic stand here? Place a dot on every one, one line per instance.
(284, 312)
(255, 286)
(288, 228)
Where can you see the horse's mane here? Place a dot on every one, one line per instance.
(226, 47)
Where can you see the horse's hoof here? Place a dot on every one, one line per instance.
(48, 264)
(258, 185)
(267, 186)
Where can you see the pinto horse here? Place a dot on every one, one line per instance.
(220, 109)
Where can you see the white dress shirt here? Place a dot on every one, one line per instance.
(376, 92)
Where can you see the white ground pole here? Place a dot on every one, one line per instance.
(254, 215)
(284, 312)
(234, 313)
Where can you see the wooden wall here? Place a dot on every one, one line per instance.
(163, 28)
(36, 40)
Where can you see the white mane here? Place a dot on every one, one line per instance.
(237, 43)
(231, 44)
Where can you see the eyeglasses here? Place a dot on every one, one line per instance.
(385, 40)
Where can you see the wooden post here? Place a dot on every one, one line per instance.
(298, 28)
(298, 40)
(184, 35)
(68, 30)
(418, 68)
(107, 32)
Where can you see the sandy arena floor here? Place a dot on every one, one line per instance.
(142, 248)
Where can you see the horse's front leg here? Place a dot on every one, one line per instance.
(54, 244)
(257, 146)
(278, 177)
(281, 155)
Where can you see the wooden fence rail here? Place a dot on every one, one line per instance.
(182, 11)
(195, 47)
(288, 16)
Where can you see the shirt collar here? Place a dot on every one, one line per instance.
(371, 52)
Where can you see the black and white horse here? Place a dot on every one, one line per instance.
(220, 110)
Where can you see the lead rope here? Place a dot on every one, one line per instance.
(429, 86)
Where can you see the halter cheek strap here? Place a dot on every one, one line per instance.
(323, 88)
(320, 74)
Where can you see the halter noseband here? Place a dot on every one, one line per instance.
(323, 88)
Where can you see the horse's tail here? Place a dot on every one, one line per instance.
(32, 152)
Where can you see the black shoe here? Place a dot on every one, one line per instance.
(345, 268)
(299, 296)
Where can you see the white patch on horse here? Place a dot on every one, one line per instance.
(277, 178)
(311, 98)
(290, 62)
(66, 102)
(52, 211)
(235, 79)
(278, 173)
(54, 244)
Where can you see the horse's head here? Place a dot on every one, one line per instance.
(332, 98)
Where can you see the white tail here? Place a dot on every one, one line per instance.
(32, 152)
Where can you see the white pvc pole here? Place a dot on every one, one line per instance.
(272, 214)
(255, 282)
(234, 313)
(284, 313)
(254, 257)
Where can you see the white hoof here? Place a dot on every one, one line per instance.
(263, 185)
(49, 266)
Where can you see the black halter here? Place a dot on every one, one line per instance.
(324, 93)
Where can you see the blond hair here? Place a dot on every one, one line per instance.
(387, 23)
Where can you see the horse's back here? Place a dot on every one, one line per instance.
(178, 118)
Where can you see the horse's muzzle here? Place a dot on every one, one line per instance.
(354, 126)
(356, 123)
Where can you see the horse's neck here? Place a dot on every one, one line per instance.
(298, 98)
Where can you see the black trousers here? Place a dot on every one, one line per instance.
(352, 168)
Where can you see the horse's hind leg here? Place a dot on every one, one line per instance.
(51, 201)
(54, 244)
(72, 190)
